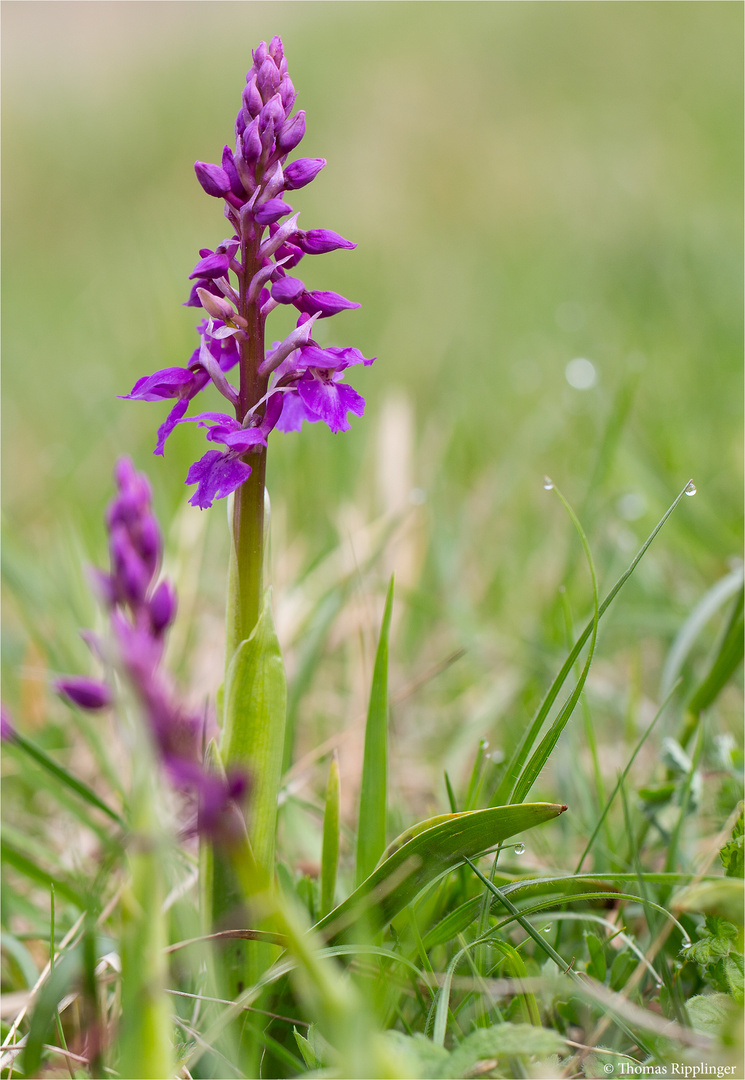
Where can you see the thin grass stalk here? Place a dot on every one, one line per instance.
(522, 750)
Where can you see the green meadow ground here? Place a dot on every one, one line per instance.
(528, 184)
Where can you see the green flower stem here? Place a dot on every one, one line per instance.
(246, 572)
(146, 1049)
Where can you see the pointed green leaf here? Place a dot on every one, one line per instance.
(253, 732)
(373, 793)
(426, 856)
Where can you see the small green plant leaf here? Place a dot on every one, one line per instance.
(424, 1059)
(438, 846)
(711, 1013)
(253, 732)
(373, 792)
(732, 852)
(512, 1040)
(597, 966)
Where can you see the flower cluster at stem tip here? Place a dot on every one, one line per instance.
(295, 379)
(141, 611)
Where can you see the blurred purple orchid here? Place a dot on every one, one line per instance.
(141, 611)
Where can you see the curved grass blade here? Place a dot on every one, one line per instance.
(532, 770)
(422, 858)
(373, 793)
(517, 761)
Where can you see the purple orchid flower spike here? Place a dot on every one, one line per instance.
(239, 284)
(141, 611)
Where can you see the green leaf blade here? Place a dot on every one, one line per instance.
(425, 857)
(373, 793)
(253, 733)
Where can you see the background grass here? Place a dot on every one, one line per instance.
(528, 183)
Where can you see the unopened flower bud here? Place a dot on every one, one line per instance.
(252, 102)
(319, 241)
(213, 179)
(287, 93)
(301, 172)
(217, 306)
(251, 142)
(286, 289)
(272, 211)
(131, 575)
(211, 266)
(85, 693)
(259, 55)
(268, 79)
(228, 165)
(162, 607)
(291, 133)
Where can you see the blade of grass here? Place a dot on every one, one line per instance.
(373, 793)
(519, 756)
(623, 776)
(532, 770)
(50, 765)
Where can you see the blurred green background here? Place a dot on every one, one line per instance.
(529, 184)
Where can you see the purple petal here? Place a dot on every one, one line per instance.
(331, 401)
(170, 422)
(319, 241)
(211, 266)
(293, 413)
(272, 211)
(324, 304)
(330, 358)
(301, 172)
(85, 693)
(167, 383)
(217, 475)
(201, 283)
(206, 418)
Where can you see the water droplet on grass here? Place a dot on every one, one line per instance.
(519, 849)
(690, 488)
(548, 484)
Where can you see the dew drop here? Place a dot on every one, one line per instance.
(580, 373)
(690, 488)
(519, 849)
(546, 929)
(548, 484)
